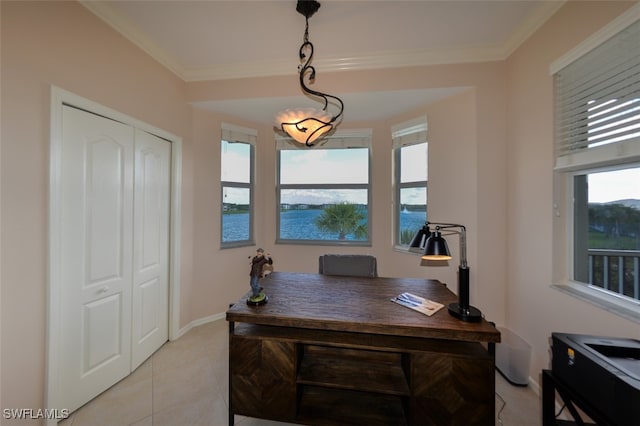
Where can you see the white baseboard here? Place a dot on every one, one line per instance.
(184, 330)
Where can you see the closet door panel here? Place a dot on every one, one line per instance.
(151, 245)
(96, 255)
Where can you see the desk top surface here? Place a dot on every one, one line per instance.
(360, 305)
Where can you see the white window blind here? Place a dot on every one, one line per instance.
(597, 115)
(234, 133)
(348, 138)
(409, 133)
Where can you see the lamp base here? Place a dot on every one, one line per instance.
(470, 315)
(258, 300)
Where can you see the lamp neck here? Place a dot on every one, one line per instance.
(463, 247)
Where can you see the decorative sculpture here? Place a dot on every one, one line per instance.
(259, 264)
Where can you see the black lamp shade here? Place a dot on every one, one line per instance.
(419, 239)
(436, 248)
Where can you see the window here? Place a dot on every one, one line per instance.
(236, 181)
(410, 155)
(607, 230)
(598, 165)
(324, 192)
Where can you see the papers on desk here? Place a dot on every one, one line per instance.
(417, 303)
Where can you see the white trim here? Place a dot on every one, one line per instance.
(617, 305)
(409, 132)
(59, 97)
(176, 237)
(235, 133)
(600, 156)
(379, 60)
(597, 38)
(195, 323)
(53, 287)
(240, 129)
(418, 124)
(342, 138)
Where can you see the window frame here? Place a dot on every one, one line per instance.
(609, 300)
(236, 134)
(341, 139)
(413, 132)
(587, 160)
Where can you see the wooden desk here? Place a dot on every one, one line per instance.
(336, 350)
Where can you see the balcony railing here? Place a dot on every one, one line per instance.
(616, 270)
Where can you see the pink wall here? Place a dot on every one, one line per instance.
(62, 44)
(535, 310)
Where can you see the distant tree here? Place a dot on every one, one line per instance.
(615, 220)
(406, 235)
(343, 219)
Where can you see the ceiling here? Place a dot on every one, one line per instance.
(222, 39)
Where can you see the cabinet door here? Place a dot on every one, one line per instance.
(450, 389)
(263, 378)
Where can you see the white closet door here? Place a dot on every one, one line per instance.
(96, 255)
(150, 328)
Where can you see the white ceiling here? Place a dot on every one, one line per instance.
(221, 39)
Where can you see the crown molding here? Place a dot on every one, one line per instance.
(379, 60)
(366, 62)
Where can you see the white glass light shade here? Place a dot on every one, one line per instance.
(305, 125)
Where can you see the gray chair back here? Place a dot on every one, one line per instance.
(354, 265)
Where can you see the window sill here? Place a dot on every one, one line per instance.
(627, 309)
(351, 243)
(236, 244)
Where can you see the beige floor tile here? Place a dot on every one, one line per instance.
(522, 407)
(208, 410)
(123, 404)
(147, 421)
(189, 383)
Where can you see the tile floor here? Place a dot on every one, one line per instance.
(185, 383)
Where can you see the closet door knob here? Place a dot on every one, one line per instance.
(103, 290)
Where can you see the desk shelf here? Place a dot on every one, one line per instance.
(352, 369)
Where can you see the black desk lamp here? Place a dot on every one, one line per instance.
(435, 248)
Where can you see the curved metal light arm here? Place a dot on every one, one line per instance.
(306, 68)
(463, 238)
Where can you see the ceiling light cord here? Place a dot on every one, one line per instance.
(308, 125)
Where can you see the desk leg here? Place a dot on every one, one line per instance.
(548, 400)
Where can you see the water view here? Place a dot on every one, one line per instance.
(300, 225)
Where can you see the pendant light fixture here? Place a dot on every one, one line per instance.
(309, 125)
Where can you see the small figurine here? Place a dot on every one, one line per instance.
(258, 264)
